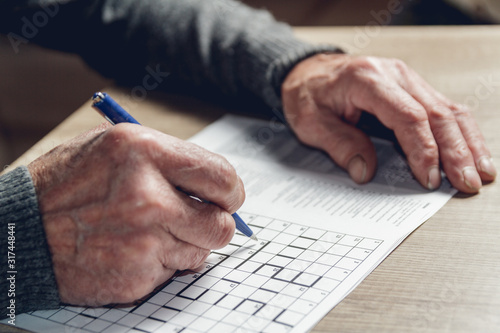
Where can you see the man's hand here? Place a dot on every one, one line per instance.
(324, 95)
(116, 225)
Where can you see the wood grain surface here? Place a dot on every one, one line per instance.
(445, 277)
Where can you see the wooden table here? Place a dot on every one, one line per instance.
(445, 277)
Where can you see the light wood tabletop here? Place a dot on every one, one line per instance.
(445, 277)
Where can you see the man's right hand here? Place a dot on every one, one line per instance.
(115, 222)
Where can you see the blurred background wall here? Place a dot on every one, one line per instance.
(39, 88)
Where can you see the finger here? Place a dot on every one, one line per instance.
(470, 131)
(477, 145)
(399, 111)
(206, 175)
(180, 255)
(349, 147)
(456, 157)
(186, 165)
(202, 224)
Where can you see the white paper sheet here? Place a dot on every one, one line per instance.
(319, 234)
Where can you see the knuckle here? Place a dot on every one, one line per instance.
(460, 149)
(425, 155)
(400, 66)
(441, 113)
(223, 173)
(460, 110)
(224, 230)
(411, 115)
(197, 257)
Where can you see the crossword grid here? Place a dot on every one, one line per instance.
(269, 286)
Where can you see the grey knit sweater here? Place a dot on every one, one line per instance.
(201, 46)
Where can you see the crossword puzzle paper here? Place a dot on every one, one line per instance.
(319, 236)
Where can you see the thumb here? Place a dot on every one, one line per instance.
(348, 146)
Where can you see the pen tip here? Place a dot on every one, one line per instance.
(254, 237)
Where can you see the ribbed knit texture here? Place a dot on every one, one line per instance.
(210, 45)
(35, 285)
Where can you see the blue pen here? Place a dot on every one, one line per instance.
(115, 114)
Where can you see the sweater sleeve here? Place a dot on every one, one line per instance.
(27, 282)
(207, 44)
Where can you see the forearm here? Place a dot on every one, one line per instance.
(204, 43)
(27, 282)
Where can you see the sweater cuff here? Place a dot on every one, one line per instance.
(31, 271)
(289, 54)
(276, 56)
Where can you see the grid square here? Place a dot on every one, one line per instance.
(237, 276)
(317, 269)
(294, 290)
(350, 240)
(230, 302)
(337, 273)
(261, 221)
(239, 239)
(262, 257)
(286, 275)
(358, 253)
(98, 325)
(274, 248)
(313, 233)
(369, 244)
(296, 229)
(164, 314)
(250, 266)
(286, 239)
(202, 324)
(222, 328)
(232, 262)
(328, 259)
(80, 321)
(249, 307)
(211, 297)
(197, 308)
(216, 312)
(178, 303)
(243, 291)
(331, 237)
(206, 281)
(320, 246)
(262, 295)
(274, 285)
(161, 298)
(340, 250)
(291, 252)
(255, 280)
(268, 270)
(278, 225)
(149, 325)
(193, 292)
(326, 284)
(267, 234)
(306, 279)
(279, 261)
(302, 306)
(62, 316)
(348, 263)
(310, 255)
(302, 242)
(290, 318)
(146, 309)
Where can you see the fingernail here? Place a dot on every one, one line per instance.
(471, 178)
(434, 179)
(357, 169)
(486, 165)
